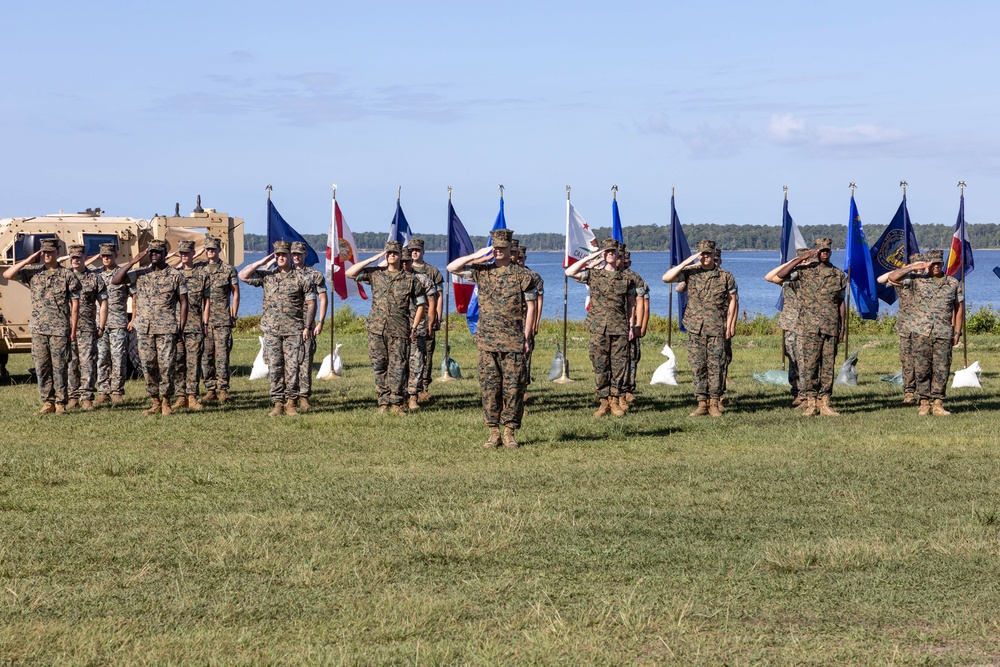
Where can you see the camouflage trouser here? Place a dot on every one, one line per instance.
(500, 376)
(418, 355)
(283, 354)
(51, 357)
(906, 359)
(609, 356)
(634, 355)
(187, 361)
(112, 352)
(303, 385)
(931, 365)
(157, 353)
(526, 366)
(83, 366)
(726, 360)
(816, 370)
(390, 357)
(215, 358)
(793, 354)
(707, 356)
(429, 361)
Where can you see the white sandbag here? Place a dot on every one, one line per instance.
(968, 377)
(848, 375)
(259, 369)
(666, 373)
(332, 365)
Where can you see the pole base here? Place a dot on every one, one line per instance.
(446, 378)
(563, 379)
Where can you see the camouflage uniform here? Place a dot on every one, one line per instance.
(820, 292)
(389, 328)
(787, 320)
(157, 294)
(304, 382)
(635, 345)
(222, 281)
(538, 287)
(83, 351)
(112, 347)
(286, 294)
(420, 344)
(191, 343)
(709, 291)
(608, 322)
(437, 280)
(51, 293)
(906, 306)
(932, 334)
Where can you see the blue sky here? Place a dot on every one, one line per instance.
(133, 106)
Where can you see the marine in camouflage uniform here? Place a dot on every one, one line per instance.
(224, 305)
(642, 312)
(83, 350)
(710, 319)
(303, 386)
(160, 316)
(55, 299)
(902, 329)
(112, 346)
(503, 335)
(538, 287)
(787, 321)
(288, 310)
(611, 322)
(191, 342)
(390, 327)
(420, 340)
(935, 324)
(821, 320)
(435, 311)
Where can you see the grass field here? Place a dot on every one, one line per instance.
(345, 537)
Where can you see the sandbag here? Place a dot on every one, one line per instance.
(453, 369)
(666, 373)
(896, 379)
(848, 375)
(259, 369)
(332, 365)
(773, 377)
(968, 377)
(556, 368)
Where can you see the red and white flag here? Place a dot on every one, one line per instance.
(580, 240)
(341, 252)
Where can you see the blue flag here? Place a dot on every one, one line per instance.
(472, 314)
(616, 223)
(858, 265)
(893, 249)
(399, 230)
(279, 230)
(791, 240)
(679, 252)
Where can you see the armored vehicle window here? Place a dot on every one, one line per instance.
(92, 242)
(30, 243)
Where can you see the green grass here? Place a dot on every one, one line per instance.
(344, 537)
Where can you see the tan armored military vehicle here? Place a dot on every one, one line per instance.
(20, 237)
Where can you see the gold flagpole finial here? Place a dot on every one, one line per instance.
(961, 188)
(399, 192)
(449, 193)
(268, 188)
(614, 192)
(853, 186)
(784, 191)
(501, 190)
(903, 185)
(567, 192)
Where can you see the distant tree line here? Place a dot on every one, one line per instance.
(657, 237)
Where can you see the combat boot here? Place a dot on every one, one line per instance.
(165, 406)
(722, 408)
(71, 403)
(825, 409)
(397, 410)
(797, 401)
(290, 408)
(413, 406)
(493, 441)
(223, 396)
(925, 408)
(810, 409)
(713, 407)
(209, 397)
(615, 405)
(102, 399)
(382, 409)
(423, 396)
(937, 408)
(60, 409)
(117, 399)
(629, 397)
(278, 410)
(508, 438)
(623, 403)
(193, 403)
(908, 398)
(46, 409)
(304, 404)
(701, 410)
(154, 408)
(603, 409)
(181, 402)
(87, 405)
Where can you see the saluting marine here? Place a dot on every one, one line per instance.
(538, 287)
(641, 319)
(112, 345)
(83, 350)
(788, 322)
(318, 281)
(419, 341)
(191, 341)
(906, 308)
(435, 311)
(224, 306)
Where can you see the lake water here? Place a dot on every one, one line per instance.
(749, 268)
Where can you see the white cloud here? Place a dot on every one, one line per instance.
(791, 130)
(786, 129)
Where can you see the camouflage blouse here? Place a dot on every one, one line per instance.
(51, 293)
(609, 293)
(709, 291)
(117, 298)
(392, 292)
(198, 290)
(821, 291)
(502, 291)
(157, 293)
(92, 292)
(222, 280)
(285, 296)
(934, 302)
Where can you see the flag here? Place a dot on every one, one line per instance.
(893, 249)
(580, 240)
(616, 223)
(459, 245)
(279, 230)
(961, 248)
(791, 240)
(679, 252)
(472, 313)
(342, 252)
(858, 265)
(400, 230)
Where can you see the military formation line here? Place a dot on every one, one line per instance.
(183, 319)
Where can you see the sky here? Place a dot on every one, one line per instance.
(135, 106)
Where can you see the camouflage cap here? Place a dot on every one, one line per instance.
(407, 255)
(157, 245)
(212, 243)
(916, 257)
(502, 237)
(609, 244)
(823, 243)
(299, 247)
(76, 250)
(627, 256)
(705, 245)
(934, 256)
(108, 249)
(416, 244)
(522, 251)
(282, 247)
(799, 252)
(515, 244)
(394, 246)
(50, 245)
(185, 245)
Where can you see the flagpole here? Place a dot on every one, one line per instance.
(564, 378)
(670, 287)
(333, 285)
(784, 349)
(847, 311)
(446, 372)
(965, 316)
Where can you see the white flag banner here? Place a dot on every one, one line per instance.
(580, 240)
(341, 254)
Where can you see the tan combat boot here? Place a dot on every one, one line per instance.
(153, 409)
(193, 403)
(810, 409)
(209, 397)
(615, 405)
(290, 408)
(722, 408)
(701, 410)
(623, 403)
(71, 403)
(382, 409)
(117, 399)
(223, 396)
(423, 396)
(825, 409)
(181, 402)
(397, 410)
(493, 441)
(46, 409)
(937, 408)
(797, 401)
(165, 406)
(629, 397)
(713, 407)
(925, 408)
(102, 399)
(278, 410)
(603, 409)
(508, 438)
(413, 406)
(304, 404)
(908, 398)
(60, 409)
(87, 405)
